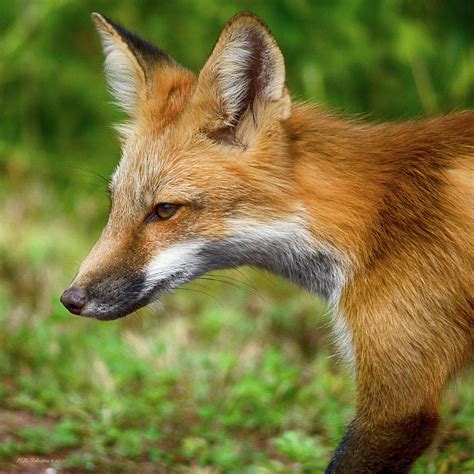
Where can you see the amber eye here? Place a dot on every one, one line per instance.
(163, 211)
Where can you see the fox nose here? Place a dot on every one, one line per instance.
(74, 299)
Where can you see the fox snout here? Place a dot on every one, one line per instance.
(106, 297)
(109, 283)
(114, 281)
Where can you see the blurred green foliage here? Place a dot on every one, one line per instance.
(202, 386)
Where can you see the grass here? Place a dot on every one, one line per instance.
(233, 374)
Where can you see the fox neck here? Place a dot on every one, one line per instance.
(336, 189)
(335, 182)
(319, 247)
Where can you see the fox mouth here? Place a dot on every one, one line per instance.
(109, 300)
(109, 312)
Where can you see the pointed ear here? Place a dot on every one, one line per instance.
(246, 67)
(133, 66)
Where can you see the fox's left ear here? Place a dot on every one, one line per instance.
(245, 69)
(141, 76)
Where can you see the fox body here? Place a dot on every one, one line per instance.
(222, 170)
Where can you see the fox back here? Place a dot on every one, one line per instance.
(221, 170)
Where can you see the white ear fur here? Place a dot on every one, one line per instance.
(245, 64)
(233, 71)
(121, 74)
(124, 73)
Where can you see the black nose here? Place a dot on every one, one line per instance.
(74, 299)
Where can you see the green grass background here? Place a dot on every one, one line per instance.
(234, 373)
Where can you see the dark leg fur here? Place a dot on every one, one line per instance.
(384, 449)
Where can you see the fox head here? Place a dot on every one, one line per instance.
(204, 180)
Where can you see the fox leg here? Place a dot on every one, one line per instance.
(402, 366)
(394, 424)
(377, 447)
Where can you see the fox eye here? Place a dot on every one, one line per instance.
(163, 211)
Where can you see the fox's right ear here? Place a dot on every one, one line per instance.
(134, 67)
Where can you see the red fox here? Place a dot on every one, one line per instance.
(223, 169)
